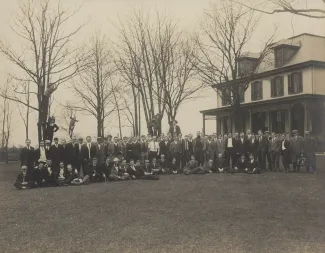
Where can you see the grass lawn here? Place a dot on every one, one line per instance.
(272, 212)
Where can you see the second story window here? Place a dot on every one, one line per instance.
(295, 83)
(257, 91)
(283, 54)
(277, 89)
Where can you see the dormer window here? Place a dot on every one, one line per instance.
(246, 66)
(283, 54)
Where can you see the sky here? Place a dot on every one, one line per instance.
(102, 14)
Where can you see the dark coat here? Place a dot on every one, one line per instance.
(27, 157)
(221, 163)
(173, 132)
(242, 146)
(56, 154)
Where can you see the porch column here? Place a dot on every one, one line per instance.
(250, 119)
(203, 130)
(268, 120)
(305, 117)
(289, 119)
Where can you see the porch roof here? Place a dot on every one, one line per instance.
(281, 100)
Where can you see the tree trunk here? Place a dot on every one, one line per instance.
(27, 113)
(135, 104)
(237, 118)
(42, 116)
(7, 152)
(139, 120)
(99, 126)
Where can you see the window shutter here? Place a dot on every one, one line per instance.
(272, 87)
(300, 81)
(290, 86)
(252, 91)
(261, 90)
(282, 88)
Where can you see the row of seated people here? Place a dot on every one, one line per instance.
(43, 176)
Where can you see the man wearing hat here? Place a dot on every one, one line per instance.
(100, 151)
(296, 149)
(174, 129)
(116, 173)
(310, 147)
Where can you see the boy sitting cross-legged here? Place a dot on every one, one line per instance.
(23, 181)
(221, 164)
(116, 173)
(72, 177)
(61, 176)
(193, 167)
(208, 167)
(174, 167)
(94, 173)
(163, 165)
(252, 166)
(49, 177)
(241, 164)
(39, 174)
(144, 172)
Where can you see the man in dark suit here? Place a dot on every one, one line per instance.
(109, 147)
(231, 150)
(164, 145)
(100, 151)
(275, 148)
(310, 147)
(296, 149)
(174, 129)
(285, 149)
(261, 150)
(56, 156)
(187, 150)
(117, 148)
(242, 145)
(82, 154)
(27, 156)
(91, 148)
(198, 144)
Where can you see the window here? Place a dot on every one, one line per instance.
(246, 66)
(225, 97)
(241, 94)
(257, 90)
(283, 54)
(277, 86)
(295, 83)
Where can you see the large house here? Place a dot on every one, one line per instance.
(286, 92)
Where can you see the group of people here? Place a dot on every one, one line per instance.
(76, 161)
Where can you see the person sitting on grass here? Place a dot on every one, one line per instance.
(144, 172)
(147, 167)
(48, 175)
(252, 166)
(39, 174)
(193, 167)
(116, 173)
(94, 173)
(24, 180)
(163, 165)
(124, 167)
(132, 170)
(155, 167)
(241, 164)
(72, 177)
(221, 164)
(61, 176)
(174, 167)
(208, 167)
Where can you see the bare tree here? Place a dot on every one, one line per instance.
(7, 113)
(227, 30)
(92, 87)
(47, 58)
(288, 6)
(24, 111)
(142, 52)
(182, 84)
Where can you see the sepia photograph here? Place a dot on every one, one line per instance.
(162, 126)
